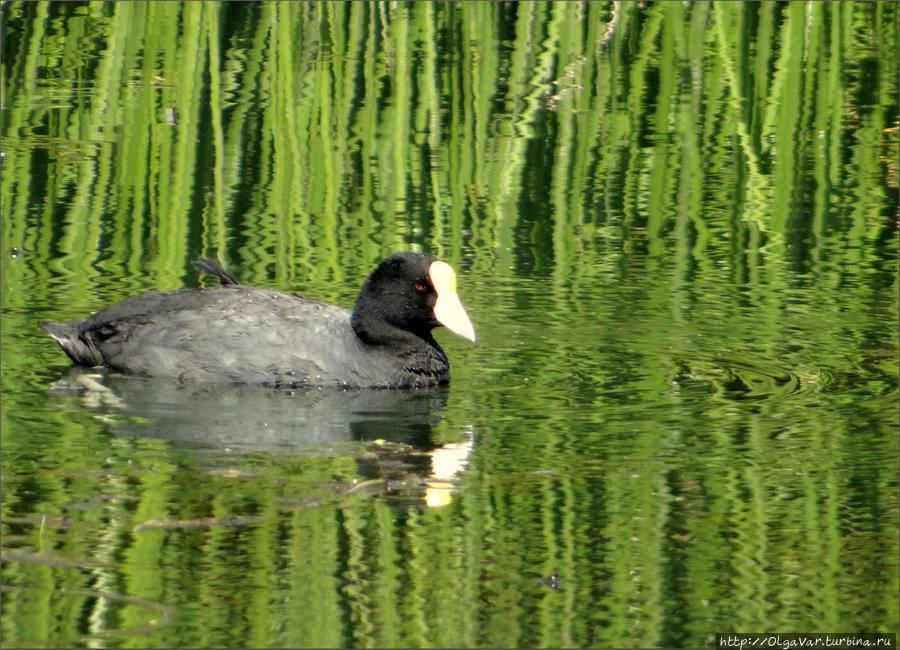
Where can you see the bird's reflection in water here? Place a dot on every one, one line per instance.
(395, 424)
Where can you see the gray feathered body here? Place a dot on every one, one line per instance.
(245, 334)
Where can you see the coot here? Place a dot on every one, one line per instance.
(237, 333)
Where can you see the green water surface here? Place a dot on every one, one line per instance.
(676, 232)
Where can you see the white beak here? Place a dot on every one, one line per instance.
(448, 310)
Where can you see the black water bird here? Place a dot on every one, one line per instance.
(238, 333)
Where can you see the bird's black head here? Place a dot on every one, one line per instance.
(409, 293)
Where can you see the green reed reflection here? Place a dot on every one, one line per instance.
(305, 93)
(643, 201)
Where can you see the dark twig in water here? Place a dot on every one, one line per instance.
(230, 521)
(60, 522)
(49, 560)
(331, 499)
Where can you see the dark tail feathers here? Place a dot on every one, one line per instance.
(212, 267)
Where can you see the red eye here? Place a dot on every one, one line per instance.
(420, 287)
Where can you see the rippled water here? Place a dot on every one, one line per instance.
(672, 469)
(677, 241)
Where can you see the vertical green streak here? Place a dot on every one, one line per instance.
(478, 20)
(243, 83)
(609, 81)
(867, 165)
(19, 82)
(216, 231)
(366, 124)
(141, 568)
(28, 619)
(358, 601)
(388, 586)
(757, 206)
(767, 44)
(588, 106)
(385, 156)
(111, 543)
(538, 60)
(97, 177)
(690, 186)
(313, 586)
(328, 76)
(400, 113)
(259, 75)
(161, 46)
(659, 189)
(458, 159)
(130, 179)
(565, 34)
(190, 65)
(429, 121)
(835, 117)
(635, 191)
(822, 107)
(346, 72)
(616, 563)
(414, 625)
(290, 124)
(663, 185)
(783, 115)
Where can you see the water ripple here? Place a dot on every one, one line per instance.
(755, 380)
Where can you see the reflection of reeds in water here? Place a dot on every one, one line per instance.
(302, 141)
(316, 138)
